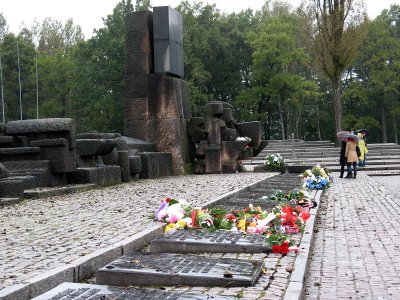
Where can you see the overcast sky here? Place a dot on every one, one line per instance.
(89, 13)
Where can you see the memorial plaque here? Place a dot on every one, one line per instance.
(80, 291)
(145, 269)
(199, 241)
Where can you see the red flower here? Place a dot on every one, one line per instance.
(276, 249)
(168, 199)
(285, 248)
(305, 215)
(194, 218)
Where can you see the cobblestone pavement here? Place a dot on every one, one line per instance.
(356, 246)
(40, 235)
(391, 183)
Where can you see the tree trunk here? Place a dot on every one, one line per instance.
(298, 116)
(395, 128)
(318, 125)
(337, 105)
(383, 123)
(281, 119)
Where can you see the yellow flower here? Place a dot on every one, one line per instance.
(169, 227)
(181, 224)
(253, 224)
(242, 225)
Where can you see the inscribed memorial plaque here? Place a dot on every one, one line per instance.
(79, 291)
(145, 269)
(199, 241)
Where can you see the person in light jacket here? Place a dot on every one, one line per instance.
(363, 150)
(352, 158)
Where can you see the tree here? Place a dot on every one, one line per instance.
(52, 36)
(10, 70)
(278, 79)
(336, 29)
(378, 66)
(3, 27)
(142, 5)
(217, 58)
(98, 87)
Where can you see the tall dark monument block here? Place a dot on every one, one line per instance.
(168, 41)
(156, 99)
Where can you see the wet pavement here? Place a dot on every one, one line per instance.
(357, 241)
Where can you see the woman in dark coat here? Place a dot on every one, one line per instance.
(343, 159)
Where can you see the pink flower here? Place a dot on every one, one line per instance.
(251, 229)
(261, 228)
(173, 218)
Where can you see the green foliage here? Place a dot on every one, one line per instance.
(377, 65)
(98, 93)
(260, 61)
(279, 82)
(217, 59)
(3, 27)
(188, 169)
(9, 60)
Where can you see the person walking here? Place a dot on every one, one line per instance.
(352, 158)
(363, 150)
(343, 159)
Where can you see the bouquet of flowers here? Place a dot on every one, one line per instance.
(277, 224)
(299, 197)
(275, 162)
(317, 178)
(172, 210)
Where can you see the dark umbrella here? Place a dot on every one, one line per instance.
(364, 131)
(345, 135)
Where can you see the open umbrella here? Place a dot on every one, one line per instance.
(345, 135)
(364, 131)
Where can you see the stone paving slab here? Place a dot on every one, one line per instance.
(38, 236)
(356, 248)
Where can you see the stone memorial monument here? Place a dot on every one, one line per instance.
(156, 97)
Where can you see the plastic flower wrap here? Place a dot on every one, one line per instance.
(171, 210)
(275, 162)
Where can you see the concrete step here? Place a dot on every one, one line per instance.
(369, 168)
(55, 191)
(299, 155)
(260, 160)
